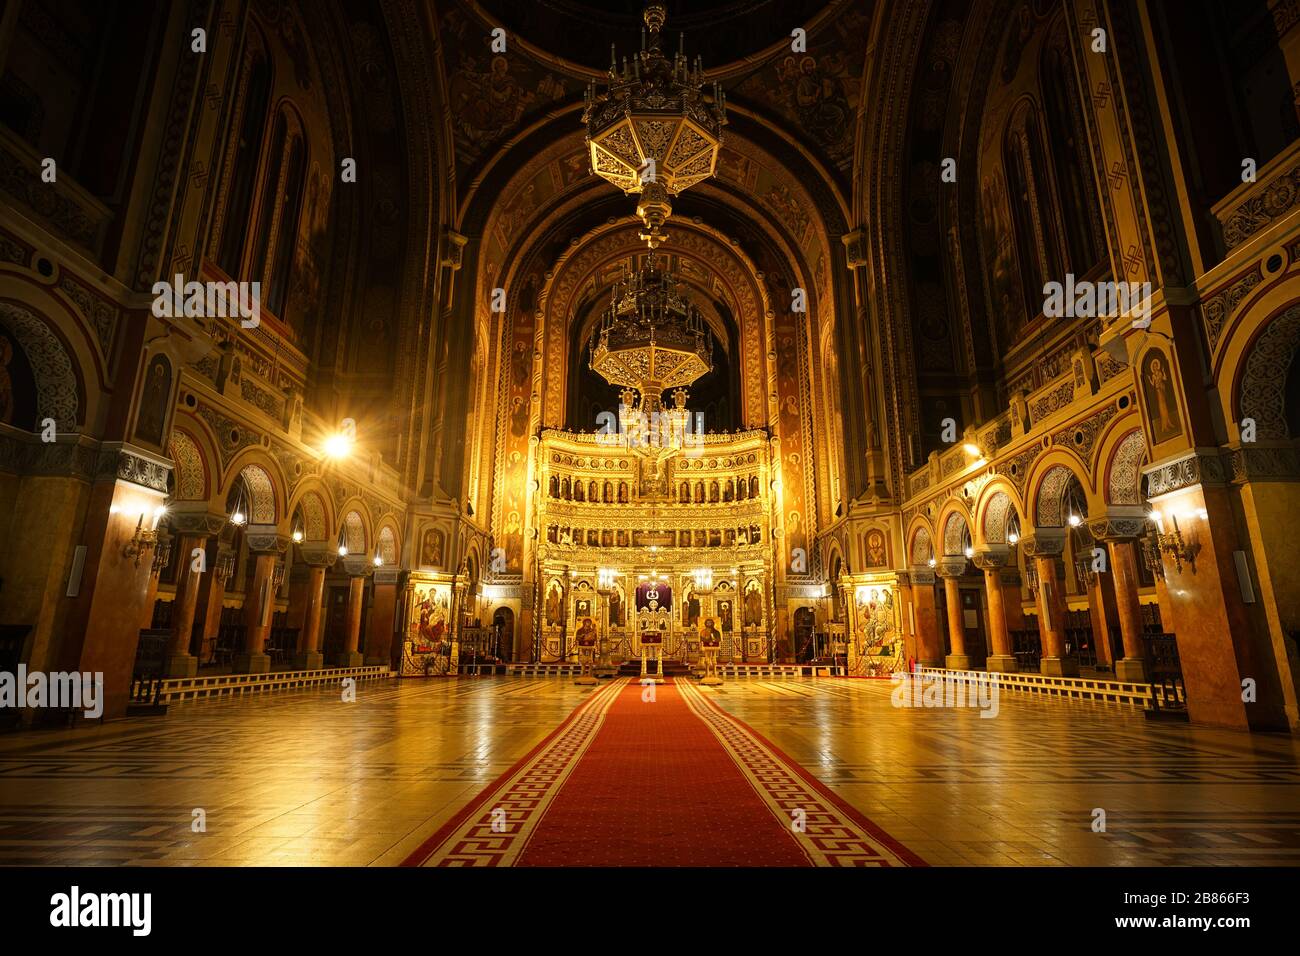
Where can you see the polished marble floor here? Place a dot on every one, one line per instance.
(303, 778)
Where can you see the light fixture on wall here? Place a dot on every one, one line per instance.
(145, 538)
(1172, 543)
(339, 444)
(703, 579)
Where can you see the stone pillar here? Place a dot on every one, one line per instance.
(194, 529)
(991, 559)
(1101, 611)
(266, 547)
(383, 614)
(1119, 531)
(101, 629)
(317, 556)
(180, 662)
(905, 603)
(1044, 546)
(928, 639)
(357, 567)
(951, 568)
(212, 591)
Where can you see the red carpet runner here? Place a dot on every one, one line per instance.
(673, 782)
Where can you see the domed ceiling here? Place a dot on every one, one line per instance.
(724, 31)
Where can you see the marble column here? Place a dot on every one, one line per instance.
(383, 614)
(317, 556)
(180, 662)
(928, 639)
(101, 627)
(194, 529)
(266, 547)
(991, 559)
(1119, 531)
(1044, 547)
(358, 567)
(951, 568)
(212, 592)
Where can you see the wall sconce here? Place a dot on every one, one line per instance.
(162, 553)
(1172, 543)
(277, 577)
(1031, 576)
(1151, 556)
(704, 579)
(1084, 573)
(225, 569)
(144, 538)
(605, 579)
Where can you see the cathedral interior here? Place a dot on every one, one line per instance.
(487, 396)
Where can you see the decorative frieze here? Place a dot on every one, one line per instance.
(263, 539)
(1043, 542)
(1118, 525)
(71, 459)
(125, 463)
(951, 566)
(1219, 308)
(1263, 463)
(1196, 467)
(991, 556)
(921, 576)
(1082, 436)
(200, 522)
(1271, 198)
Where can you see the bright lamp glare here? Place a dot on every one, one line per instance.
(971, 449)
(337, 445)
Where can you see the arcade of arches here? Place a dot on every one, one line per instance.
(893, 458)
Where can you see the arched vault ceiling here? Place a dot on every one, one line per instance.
(812, 96)
(732, 34)
(752, 185)
(717, 265)
(702, 284)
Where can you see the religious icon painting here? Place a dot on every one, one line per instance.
(1158, 399)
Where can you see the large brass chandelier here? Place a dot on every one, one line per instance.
(653, 133)
(650, 339)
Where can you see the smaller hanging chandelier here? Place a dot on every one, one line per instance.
(651, 338)
(653, 133)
